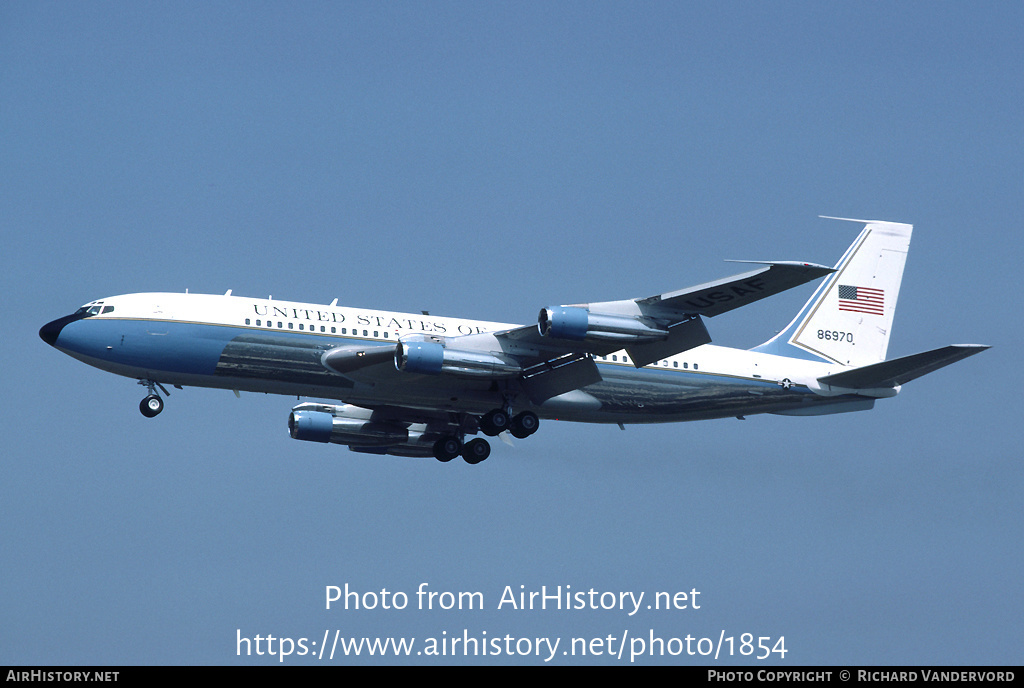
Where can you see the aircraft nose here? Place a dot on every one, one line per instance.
(51, 330)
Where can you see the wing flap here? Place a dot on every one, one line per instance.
(682, 337)
(559, 376)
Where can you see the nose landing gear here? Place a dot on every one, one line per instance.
(152, 405)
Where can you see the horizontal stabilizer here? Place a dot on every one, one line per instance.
(901, 370)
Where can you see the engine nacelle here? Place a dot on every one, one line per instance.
(319, 426)
(431, 358)
(355, 427)
(572, 322)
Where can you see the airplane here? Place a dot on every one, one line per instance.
(419, 385)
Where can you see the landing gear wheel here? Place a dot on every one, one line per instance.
(151, 406)
(447, 448)
(524, 425)
(476, 450)
(494, 423)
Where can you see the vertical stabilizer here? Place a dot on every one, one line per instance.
(849, 318)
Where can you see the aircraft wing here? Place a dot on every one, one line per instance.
(653, 327)
(715, 298)
(557, 351)
(554, 356)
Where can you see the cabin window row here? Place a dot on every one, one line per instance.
(663, 364)
(376, 333)
(313, 328)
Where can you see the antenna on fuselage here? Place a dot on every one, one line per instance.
(334, 302)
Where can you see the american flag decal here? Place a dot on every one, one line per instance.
(861, 299)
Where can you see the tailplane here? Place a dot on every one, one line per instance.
(901, 370)
(849, 318)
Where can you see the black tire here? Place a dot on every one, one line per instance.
(476, 450)
(151, 406)
(524, 425)
(494, 422)
(447, 448)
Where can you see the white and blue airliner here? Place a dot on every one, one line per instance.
(420, 385)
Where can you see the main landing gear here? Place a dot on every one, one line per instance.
(152, 405)
(492, 423)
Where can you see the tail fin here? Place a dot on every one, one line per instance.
(849, 318)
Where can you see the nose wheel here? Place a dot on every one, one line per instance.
(152, 405)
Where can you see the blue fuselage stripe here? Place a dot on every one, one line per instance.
(149, 345)
(271, 359)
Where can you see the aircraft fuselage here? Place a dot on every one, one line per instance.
(261, 345)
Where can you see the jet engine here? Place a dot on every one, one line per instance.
(318, 426)
(573, 322)
(433, 358)
(355, 427)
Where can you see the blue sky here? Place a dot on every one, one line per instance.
(484, 160)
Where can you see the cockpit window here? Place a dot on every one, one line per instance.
(94, 309)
